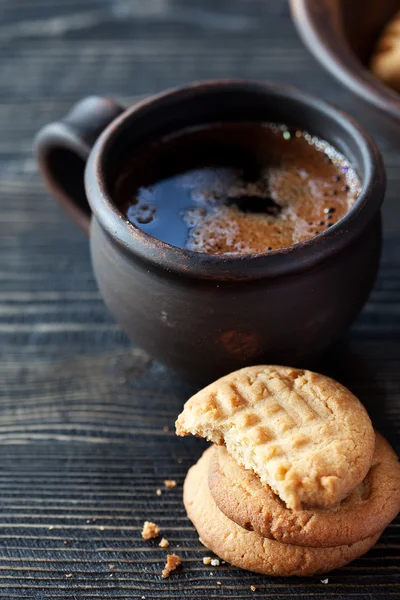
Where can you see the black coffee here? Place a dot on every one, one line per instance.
(236, 187)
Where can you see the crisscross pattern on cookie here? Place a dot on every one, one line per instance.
(303, 434)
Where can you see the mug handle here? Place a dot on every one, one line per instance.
(63, 147)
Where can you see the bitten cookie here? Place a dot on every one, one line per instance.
(247, 549)
(241, 496)
(385, 62)
(305, 435)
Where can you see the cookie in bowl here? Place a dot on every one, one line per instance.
(385, 61)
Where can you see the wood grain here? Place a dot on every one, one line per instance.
(82, 411)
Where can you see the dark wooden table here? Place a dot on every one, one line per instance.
(86, 421)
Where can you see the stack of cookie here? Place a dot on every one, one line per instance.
(296, 482)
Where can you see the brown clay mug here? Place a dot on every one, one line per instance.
(206, 315)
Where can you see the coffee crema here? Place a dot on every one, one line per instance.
(236, 188)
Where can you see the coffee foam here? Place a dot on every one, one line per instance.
(281, 187)
(305, 193)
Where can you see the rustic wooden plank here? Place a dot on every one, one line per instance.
(82, 411)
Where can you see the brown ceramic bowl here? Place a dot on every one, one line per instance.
(206, 315)
(341, 34)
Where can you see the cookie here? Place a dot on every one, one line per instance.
(247, 549)
(305, 435)
(241, 496)
(385, 62)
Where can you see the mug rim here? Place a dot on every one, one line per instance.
(290, 259)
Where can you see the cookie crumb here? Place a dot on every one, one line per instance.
(111, 566)
(170, 483)
(253, 588)
(166, 429)
(68, 575)
(150, 530)
(158, 492)
(215, 562)
(207, 560)
(164, 543)
(173, 561)
(324, 580)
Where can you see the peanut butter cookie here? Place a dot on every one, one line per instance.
(241, 496)
(247, 549)
(385, 62)
(305, 435)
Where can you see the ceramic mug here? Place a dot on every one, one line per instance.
(205, 315)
